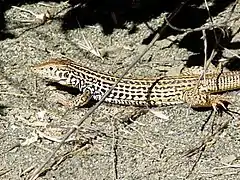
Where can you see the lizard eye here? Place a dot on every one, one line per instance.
(66, 74)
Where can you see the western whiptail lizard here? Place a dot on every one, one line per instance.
(158, 91)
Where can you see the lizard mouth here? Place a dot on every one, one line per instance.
(62, 82)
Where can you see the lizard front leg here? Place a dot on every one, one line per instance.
(78, 101)
(82, 99)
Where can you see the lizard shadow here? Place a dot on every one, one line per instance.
(219, 112)
(220, 108)
(73, 91)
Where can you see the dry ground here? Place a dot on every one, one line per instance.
(178, 145)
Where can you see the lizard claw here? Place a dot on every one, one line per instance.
(220, 101)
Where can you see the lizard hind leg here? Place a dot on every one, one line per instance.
(219, 101)
(196, 99)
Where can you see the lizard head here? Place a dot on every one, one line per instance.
(54, 70)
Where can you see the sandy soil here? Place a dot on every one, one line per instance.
(172, 142)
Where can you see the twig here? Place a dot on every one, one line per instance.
(226, 49)
(205, 52)
(88, 45)
(43, 17)
(114, 150)
(207, 140)
(14, 94)
(227, 166)
(4, 172)
(231, 12)
(211, 20)
(189, 30)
